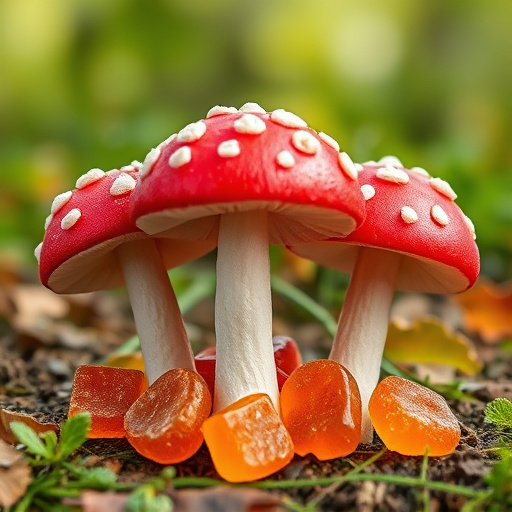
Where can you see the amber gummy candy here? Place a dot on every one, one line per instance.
(247, 440)
(164, 423)
(321, 409)
(409, 417)
(106, 393)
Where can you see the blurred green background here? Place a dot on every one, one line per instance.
(97, 83)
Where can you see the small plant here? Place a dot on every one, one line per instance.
(499, 412)
(56, 476)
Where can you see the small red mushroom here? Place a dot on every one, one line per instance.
(91, 244)
(414, 238)
(259, 178)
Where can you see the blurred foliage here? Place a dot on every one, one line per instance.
(93, 83)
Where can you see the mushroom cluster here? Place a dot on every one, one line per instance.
(240, 180)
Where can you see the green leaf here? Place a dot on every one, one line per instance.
(74, 433)
(144, 499)
(30, 439)
(499, 412)
(500, 479)
(49, 438)
(98, 478)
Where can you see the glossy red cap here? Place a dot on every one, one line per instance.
(87, 224)
(411, 213)
(247, 159)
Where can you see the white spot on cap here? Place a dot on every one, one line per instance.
(287, 119)
(390, 173)
(48, 221)
(149, 161)
(252, 107)
(408, 215)
(37, 252)
(89, 178)
(420, 171)
(229, 148)
(136, 164)
(122, 184)
(192, 132)
(443, 188)
(329, 140)
(470, 225)
(390, 160)
(285, 159)
(368, 191)
(60, 201)
(249, 123)
(180, 157)
(370, 162)
(220, 110)
(439, 215)
(305, 142)
(347, 165)
(358, 167)
(70, 219)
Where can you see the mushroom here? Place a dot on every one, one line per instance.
(91, 244)
(258, 178)
(414, 238)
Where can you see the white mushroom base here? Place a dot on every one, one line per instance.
(363, 324)
(163, 338)
(243, 310)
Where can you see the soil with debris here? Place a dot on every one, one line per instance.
(44, 338)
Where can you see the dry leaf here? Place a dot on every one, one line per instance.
(94, 501)
(14, 475)
(6, 417)
(35, 301)
(429, 341)
(487, 310)
(227, 499)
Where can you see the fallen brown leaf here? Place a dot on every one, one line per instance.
(14, 475)
(227, 499)
(94, 501)
(6, 417)
(487, 310)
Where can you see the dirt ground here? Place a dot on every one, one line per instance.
(43, 338)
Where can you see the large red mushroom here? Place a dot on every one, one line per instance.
(259, 178)
(414, 238)
(91, 244)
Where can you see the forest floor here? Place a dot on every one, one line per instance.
(44, 338)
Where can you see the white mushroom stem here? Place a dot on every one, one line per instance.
(163, 338)
(243, 310)
(363, 324)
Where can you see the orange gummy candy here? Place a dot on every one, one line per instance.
(106, 393)
(409, 417)
(321, 409)
(247, 440)
(164, 423)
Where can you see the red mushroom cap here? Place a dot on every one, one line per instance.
(249, 160)
(410, 213)
(87, 224)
